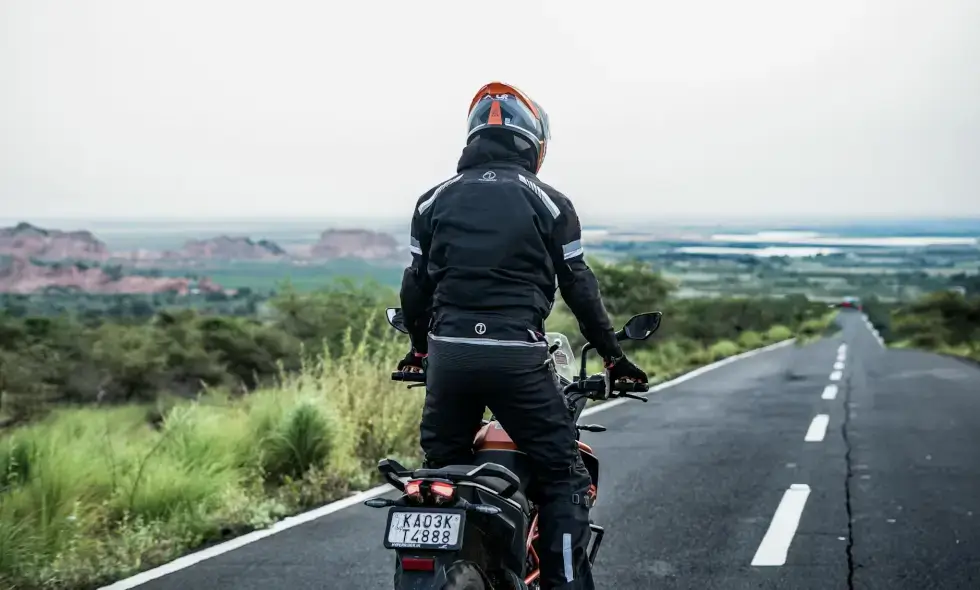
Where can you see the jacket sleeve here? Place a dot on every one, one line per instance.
(577, 283)
(417, 288)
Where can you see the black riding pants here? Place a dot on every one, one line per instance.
(477, 361)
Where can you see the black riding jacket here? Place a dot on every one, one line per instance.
(495, 238)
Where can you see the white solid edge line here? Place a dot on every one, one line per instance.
(775, 545)
(818, 428)
(232, 544)
(829, 392)
(836, 375)
(302, 518)
(874, 331)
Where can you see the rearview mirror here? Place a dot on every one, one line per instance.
(641, 326)
(396, 319)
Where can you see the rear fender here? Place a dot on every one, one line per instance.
(423, 580)
(504, 535)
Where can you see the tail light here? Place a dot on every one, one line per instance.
(418, 564)
(441, 491)
(413, 490)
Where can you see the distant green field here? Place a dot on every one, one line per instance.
(890, 274)
(266, 276)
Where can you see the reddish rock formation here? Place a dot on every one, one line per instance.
(228, 248)
(26, 249)
(19, 275)
(355, 243)
(28, 241)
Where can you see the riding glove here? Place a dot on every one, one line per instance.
(412, 361)
(623, 368)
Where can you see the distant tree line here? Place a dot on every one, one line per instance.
(95, 307)
(136, 348)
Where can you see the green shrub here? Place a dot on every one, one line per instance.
(723, 349)
(778, 334)
(750, 339)
(945, 322)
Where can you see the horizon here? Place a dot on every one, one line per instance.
(133, 231)
(801, 219)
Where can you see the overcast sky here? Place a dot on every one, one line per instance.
(201, 108)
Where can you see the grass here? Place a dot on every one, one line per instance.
(963, 350)
(91, 495)
(816, 328)
(268, 276)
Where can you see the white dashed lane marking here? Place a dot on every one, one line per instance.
(775, 545)
(818, 428)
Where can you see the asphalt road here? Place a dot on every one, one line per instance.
(691, 482)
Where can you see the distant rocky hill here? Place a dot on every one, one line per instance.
(355, 243)
(21, 275)
(28, 250)
(228, 248)
(28, 241)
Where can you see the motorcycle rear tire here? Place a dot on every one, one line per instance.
(464, 575)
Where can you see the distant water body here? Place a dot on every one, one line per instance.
(808, 238)
(802, 244)
(801, 251)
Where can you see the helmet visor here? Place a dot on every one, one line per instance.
(545, 122)
(509, 111)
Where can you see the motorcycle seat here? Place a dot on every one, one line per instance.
(498, 485)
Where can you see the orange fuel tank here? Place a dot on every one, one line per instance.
(493, 437)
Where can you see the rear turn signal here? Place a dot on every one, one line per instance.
(418, 564)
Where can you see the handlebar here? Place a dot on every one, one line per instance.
(630, 386)
(593, 387)
(412, 376)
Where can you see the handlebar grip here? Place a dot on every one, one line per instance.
(631, 387)
(408, 376)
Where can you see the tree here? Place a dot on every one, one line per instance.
(631, 288)
(326, 315)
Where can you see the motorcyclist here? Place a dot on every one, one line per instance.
(490, 247)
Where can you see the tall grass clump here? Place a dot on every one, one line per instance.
(303, 440)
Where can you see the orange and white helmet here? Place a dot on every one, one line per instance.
(502, 106)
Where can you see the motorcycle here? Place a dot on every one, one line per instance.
(473, 527)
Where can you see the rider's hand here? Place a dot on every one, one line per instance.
(412, 362)
(624, 369)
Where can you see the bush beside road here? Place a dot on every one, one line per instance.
(947, 322)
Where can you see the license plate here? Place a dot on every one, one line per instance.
(425, 528)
